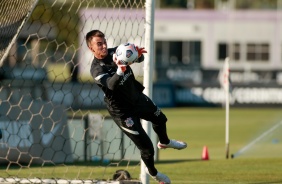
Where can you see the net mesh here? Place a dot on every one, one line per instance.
(13, 14)
(53, 121)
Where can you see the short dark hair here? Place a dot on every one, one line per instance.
(93, 33)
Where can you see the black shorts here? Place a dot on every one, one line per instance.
(128, 120)
(144, 108)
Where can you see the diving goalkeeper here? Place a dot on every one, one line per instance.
(127, 104)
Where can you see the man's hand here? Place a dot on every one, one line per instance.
(121, 67)
(140, 50)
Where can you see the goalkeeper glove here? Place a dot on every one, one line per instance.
(121, 68)
(140, 50)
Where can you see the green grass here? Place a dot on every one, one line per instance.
(206, 127)
(224, 171)
(199, 127)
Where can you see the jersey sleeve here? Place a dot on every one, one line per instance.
(103, 78)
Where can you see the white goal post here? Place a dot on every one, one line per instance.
(148, 74)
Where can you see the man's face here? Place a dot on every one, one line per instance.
(98, 46)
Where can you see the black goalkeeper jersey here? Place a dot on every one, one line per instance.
(120, 91)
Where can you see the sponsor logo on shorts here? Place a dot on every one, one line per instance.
(129, 122)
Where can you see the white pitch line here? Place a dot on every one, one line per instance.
(257, 139)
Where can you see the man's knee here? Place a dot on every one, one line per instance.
(146, 153)
(160, 121)
(163, 119)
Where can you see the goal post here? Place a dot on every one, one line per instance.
(148, 75)
(53, 121)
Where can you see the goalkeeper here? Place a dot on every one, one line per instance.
(126, 103)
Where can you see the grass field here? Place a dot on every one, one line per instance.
(206, 127)
(202, 127)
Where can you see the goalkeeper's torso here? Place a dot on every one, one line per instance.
(121, 92)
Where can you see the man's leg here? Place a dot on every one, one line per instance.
(137, 134)
(147, 110)
(150, 112)
(132, 127)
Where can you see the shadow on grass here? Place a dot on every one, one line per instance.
(100, 163)
(268, 182)
(177, 161)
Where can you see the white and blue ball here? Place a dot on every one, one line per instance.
(127, 53)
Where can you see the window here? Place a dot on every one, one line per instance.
(222, 51)
(175, 52)
(235, 50)
(257, 52)
(178, 53)
(228, 50)
(191, 53)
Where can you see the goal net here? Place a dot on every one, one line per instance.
(54, 127)
(13, 15)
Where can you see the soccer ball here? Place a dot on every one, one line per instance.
(127, 53)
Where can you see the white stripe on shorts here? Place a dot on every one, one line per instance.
(130, 131)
